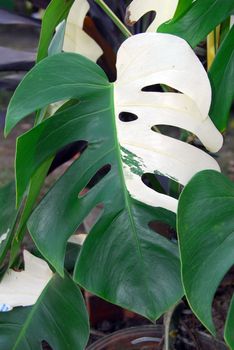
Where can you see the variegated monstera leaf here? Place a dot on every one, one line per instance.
(75, 39)
(165, 10)
(122, 259)
(23, 288)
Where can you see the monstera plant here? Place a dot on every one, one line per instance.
(160, 82)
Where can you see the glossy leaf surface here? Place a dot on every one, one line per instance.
(199, 20)
(206, 237)
(59, 317)
(222, 77)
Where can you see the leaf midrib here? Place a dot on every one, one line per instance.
(125, 191)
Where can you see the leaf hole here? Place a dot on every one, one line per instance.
(144, 22)
(174, 132)
(62, 162)
(71, 151)
(93, 217)
(127, 117)
(162, 184)
(163, 229)
(152, 88)
(159, 88)
(45, 345)
(99, 175)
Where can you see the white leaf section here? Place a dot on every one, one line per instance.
(23, 288)
(76, 40)
(165, 10)
(155, 58)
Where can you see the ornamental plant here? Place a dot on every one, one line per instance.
(160, 81)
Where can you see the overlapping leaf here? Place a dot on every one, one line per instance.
(59, 317)
(116, 259)
(206, 236)
(199, 20)
(76, 40)
(55, 13)
(222, 76)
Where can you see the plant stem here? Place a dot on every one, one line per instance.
(114, 18)
(167, 322)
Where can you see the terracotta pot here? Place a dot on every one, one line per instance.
(135, 338)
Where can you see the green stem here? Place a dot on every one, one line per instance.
(114, 18)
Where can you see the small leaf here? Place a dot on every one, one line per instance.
(199, 20)
(222, 76)
(59, 317)
(206, 237)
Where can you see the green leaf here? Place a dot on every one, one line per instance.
(199, 20)
(58, 317)
(182, 7)
(8, 215)
(206, 239)
(222, 76)
(128, 259)
(55, 13)
(80, 84)
(228, 332)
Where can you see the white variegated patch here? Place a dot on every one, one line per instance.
(165, 10)
(155, 58)
(76, 40)
(23, 288)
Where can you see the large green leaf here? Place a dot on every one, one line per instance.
(222, 76)
(127, 258)
(55, 13)
(8, 215)
(228, 333)
(59, 317)
(206, 236)
(128, 150)
(199, 20)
